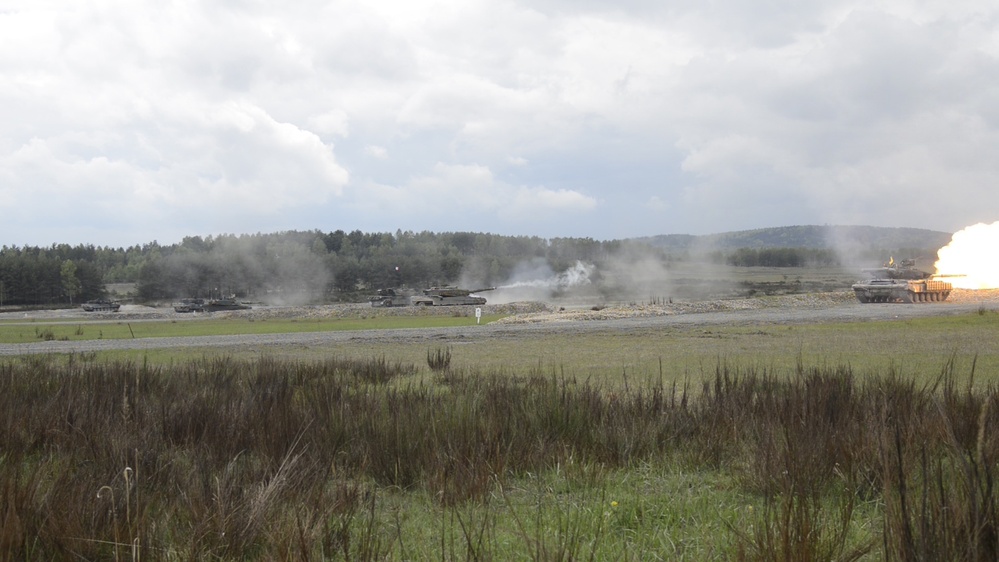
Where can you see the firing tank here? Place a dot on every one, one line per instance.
(449, 296)
(391, 297)
(901, 282)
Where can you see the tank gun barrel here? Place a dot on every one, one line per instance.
(482, 290)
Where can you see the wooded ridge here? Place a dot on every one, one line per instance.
(316, 266)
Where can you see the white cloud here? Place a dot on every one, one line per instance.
(332, 123)
(532, 204)
(469, 190)
(378, 152)
(704, 116)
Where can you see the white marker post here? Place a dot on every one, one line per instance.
(478, 315)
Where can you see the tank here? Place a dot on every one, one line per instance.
(227, 303)
(391, 297)
(449, 296)
(190, 305)
(100, 305)
(901, 282)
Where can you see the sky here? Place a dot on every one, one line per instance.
(124, 122)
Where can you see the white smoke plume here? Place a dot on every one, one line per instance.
(534, 280)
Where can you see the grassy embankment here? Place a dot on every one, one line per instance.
(374, 458)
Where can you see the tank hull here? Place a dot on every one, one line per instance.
(435, 300)
(100, 306)
(224, 304)
(900, 290)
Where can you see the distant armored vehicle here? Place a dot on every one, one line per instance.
(190, 305)
(101, 305)
(449, 296)
(229, 303)
(391, 297)
(901, 282)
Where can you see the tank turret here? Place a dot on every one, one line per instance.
(906, 269)
(901, 282)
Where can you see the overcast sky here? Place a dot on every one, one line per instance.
(124, 122)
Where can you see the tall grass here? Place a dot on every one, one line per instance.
(269, 459)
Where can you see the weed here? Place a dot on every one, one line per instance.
(45, 335)
(439, 360)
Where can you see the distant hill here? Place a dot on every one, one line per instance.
(842, 238)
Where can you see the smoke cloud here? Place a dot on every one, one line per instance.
(633, 273)
(534, 280)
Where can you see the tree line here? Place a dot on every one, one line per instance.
(310, 266)
(316, 266)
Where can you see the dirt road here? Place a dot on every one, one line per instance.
(527, 320)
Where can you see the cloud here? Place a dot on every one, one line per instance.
(533, 203)
(376, 152)
(331, 123)
(471, 191)
(504, 116)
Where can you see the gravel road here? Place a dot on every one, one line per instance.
(526, 320)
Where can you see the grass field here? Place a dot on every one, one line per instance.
(846, 441)
(917, 348)
(25, 332)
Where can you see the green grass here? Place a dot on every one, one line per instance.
(647, 513)
(374, 460)
(548, 447)
(25, 332)
(918, 348)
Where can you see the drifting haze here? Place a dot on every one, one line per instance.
(125, 122)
